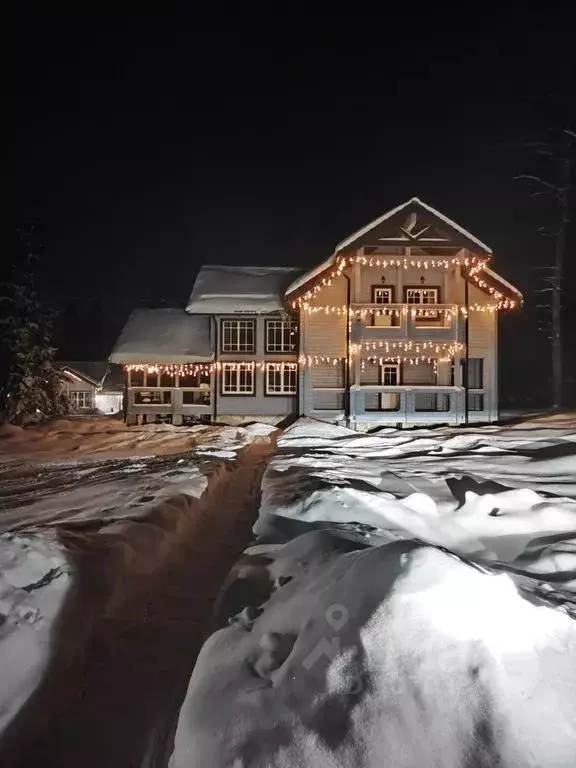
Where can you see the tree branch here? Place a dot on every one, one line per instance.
(537, 179)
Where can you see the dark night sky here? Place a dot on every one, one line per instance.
(148, 145)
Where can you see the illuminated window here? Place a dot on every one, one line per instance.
(421, 295)
(281, 336)
(237, 379)
(238, 336)
(382, 295)
(281, 379)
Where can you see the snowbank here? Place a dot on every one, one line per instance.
(398, 654)
(34, 580)
(356, 638)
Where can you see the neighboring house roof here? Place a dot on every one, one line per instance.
(222, 290)
(114, 379)
(91, 371)
(163, 336)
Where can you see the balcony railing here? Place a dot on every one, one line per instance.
(380, 322)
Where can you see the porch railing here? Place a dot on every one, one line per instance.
(435, 322)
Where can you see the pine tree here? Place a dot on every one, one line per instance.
(33, 384)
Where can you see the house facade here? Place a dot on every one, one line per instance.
(398, 327)
(92, 386)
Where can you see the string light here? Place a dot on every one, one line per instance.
(473, 264)
(450, 348)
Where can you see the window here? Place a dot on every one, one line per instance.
(281, 336)
(237, 379)
(381, 295)
(438, 402)
(152, 397)
(238, 336)
(81, 400)
(196, 397)
(475, 373)
(475, 401)
(281, 378)
(421, 295)
(384, 295)
(390, 375)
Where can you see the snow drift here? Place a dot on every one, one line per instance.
(397, 607)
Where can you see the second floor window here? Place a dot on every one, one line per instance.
(238, 336)
(281, 336)
(421, 295)
(382, 295)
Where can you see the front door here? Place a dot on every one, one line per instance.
(390, 377)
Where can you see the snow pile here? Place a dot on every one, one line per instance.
(228, 441)
(34, 579)
(410, 600)
(399, 655)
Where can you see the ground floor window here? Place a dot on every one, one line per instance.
(475, 401)
(281, 379)
(81, 400)
(237, 379)
(152, 397)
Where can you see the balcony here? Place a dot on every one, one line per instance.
(407, 322)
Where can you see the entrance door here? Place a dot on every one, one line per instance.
(390, 377)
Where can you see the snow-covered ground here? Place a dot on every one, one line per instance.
(410, 601)
(93, 477)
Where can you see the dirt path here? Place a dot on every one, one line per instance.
(130, 634)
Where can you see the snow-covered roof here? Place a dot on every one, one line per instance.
(163, 336)
(351, 239)
(229, 289)
(92, 371)
(413, 201)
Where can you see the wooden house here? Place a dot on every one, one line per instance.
(398, 327)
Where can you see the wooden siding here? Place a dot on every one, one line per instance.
(258, 404)
(483, 343)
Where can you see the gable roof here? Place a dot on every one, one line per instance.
(91, 371)
(163, 336)
(415, 220)
(230, 289)
(413, 223)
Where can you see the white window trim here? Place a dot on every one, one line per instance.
(281, 326)
(238, 324)
(86, 396)
(420, 291)
(283, 368)
(386, 288)
(237, 368)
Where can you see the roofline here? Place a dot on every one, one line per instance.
(501, 280)
(364, 230)
(84, 376)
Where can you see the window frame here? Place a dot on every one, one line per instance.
(86, 395)
(431, 314)
(283, 367)
(228, 364)
(236, 350)
(480, 371)
(273, 349)
(389, 288)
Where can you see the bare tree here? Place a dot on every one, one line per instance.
(558, 183)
